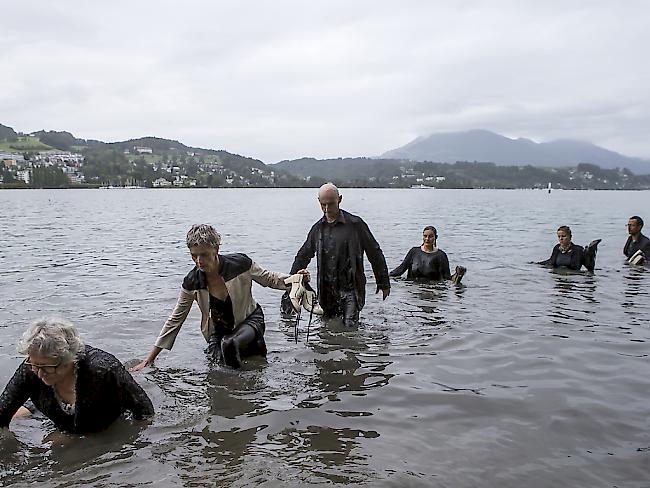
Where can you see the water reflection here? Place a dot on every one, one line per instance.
(634, 281)
(474, 368)
(573, 298)
(332, 454)
(65, 454)
(349, 360)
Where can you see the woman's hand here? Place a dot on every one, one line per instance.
(139, 366)
(459, 272)
(150, 359)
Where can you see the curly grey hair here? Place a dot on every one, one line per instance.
(203, 234)
(53, 338)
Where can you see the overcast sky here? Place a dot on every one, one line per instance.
(284, 79)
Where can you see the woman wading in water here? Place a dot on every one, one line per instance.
(232, 322)
(427, 261)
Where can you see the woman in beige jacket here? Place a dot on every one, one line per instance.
(232, 322)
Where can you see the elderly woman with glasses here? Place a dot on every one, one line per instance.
(78, 387)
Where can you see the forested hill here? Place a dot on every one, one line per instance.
(394, 173)
(145, 161)
(59, 159)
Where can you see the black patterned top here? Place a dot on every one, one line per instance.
(105, 390)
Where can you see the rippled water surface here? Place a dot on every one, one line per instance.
(522, 377)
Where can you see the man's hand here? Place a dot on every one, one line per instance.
(385, 292)
(305, 273)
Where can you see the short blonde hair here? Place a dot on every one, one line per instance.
(203, 234)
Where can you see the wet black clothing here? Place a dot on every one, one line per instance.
(427, 265)
(247, 339)
(632, 247)
(336, 258)
(346, 308)
(574, 258)
(104, 389)
(222, 315)
(339, 249)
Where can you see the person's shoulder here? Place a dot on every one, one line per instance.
(353, 219)
(194, 280)
(317, 224)
(98, 360)
(350, 217)
(232, 265)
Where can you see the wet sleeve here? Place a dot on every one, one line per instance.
(550, 262)
(444, 266)
(306, 252)
(134, 398)
(172, 326)
(626, 248)
(271, 279)
(578, 258)
(14, 395)
(646, 249)
(375, 256)
(406, 264)
(589, 259)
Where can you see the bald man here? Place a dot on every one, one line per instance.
(339, 240)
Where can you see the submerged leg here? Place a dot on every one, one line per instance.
(233, 344)
(350, 308)
(246, 340)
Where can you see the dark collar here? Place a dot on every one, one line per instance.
(340, 219)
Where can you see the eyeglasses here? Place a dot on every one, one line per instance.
(46, 368)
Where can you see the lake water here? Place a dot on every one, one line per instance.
(522, 377)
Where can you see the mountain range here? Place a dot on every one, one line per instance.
(478, 146)
(485, 146)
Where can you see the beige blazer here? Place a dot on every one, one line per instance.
(243, 303)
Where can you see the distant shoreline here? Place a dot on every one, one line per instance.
(22, 188)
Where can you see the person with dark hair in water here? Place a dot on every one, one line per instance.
(427, 261)
(637, 247)
(79, 388)
(232, 322)
(568, 255)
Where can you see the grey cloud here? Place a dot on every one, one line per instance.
(285, 79)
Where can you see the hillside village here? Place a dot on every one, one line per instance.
(129, 165)
(59, 160)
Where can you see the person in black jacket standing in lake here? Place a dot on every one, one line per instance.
(78, 387)
(571, 256)
(636, 242)
(339, 240)
(427, 261)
